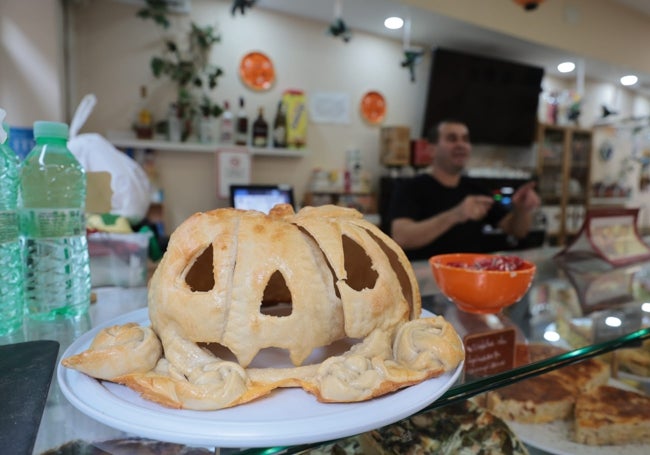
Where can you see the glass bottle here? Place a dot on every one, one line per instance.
(260, 130)
(11, 271)
(52, 222)
(241, 136)
(280, 127)
(144, 119)
(227, 127)
(173, 124)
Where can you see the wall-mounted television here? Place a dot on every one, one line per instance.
(497, 99)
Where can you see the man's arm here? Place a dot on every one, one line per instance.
(411, 234)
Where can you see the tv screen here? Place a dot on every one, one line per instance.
(497, 99)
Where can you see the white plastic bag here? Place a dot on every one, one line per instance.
(130, 184)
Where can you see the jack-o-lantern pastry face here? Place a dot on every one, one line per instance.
(235, 283)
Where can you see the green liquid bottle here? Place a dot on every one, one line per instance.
(52, 222)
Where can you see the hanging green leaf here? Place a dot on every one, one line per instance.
(157, 11)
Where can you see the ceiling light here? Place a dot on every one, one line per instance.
(566, 67)
(630, 79)
(394, 23)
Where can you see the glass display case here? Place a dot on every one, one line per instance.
(549, 313)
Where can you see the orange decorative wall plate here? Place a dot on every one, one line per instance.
(373, 107)
(256, 71)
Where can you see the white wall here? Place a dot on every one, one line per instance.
(113, 49)
(31, 61)
(110, 54)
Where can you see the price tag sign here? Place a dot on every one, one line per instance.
(488, 353)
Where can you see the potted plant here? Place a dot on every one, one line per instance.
(186, 65)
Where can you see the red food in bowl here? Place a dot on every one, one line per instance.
(482, 283)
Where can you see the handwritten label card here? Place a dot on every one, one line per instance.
(489, 353)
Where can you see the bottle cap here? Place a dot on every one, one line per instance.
(50, 129)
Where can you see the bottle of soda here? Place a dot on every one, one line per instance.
(11, 271)
(52, 223)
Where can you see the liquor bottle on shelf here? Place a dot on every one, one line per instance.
(144, 120)
(280, 127)
(227, 129)
(173, 124)
(52, 222)
(241, 135)
(260, 130)
(11, 272)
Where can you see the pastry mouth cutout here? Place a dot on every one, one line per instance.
(323, 292)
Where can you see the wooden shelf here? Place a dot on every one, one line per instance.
(564, 158)
(123, 141)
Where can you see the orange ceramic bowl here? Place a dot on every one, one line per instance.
(480, 290)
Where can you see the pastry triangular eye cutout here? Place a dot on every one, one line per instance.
(200, 277)
(277, 292)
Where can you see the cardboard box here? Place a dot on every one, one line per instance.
(395, 146)
(118, 259)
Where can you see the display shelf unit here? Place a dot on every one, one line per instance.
(563, 167)
(122, 142)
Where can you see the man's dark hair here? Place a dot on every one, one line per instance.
(434, 132)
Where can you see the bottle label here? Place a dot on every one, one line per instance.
(8, 226)
(43, 223)
(279, 135)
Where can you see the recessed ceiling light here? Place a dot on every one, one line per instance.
(566, 67)
(394, 23)
(630, 79)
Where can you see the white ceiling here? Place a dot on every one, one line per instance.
(430, 29)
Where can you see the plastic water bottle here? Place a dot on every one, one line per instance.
(52, 222)
(11, 270)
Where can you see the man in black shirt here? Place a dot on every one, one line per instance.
(444, 211)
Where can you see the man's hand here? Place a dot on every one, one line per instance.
(526, 198)
(473, 208)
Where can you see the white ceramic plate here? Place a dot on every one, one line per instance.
(286, 417)
(555, 437)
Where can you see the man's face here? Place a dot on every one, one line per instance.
(453, 148)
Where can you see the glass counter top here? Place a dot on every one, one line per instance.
(556, 310)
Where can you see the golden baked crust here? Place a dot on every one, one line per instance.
(540, 399)
(337, 277)
(118, 350)
(609, 415)
(550, 396)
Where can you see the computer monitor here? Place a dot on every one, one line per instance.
(260, 197)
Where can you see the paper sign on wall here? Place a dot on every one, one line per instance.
(329, 107)
(233, 167)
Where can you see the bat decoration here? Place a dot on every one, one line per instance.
(607, 112)
(411, 58)
(338, 28)
(241, 5)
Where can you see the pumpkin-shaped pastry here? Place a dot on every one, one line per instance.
(234, 283)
